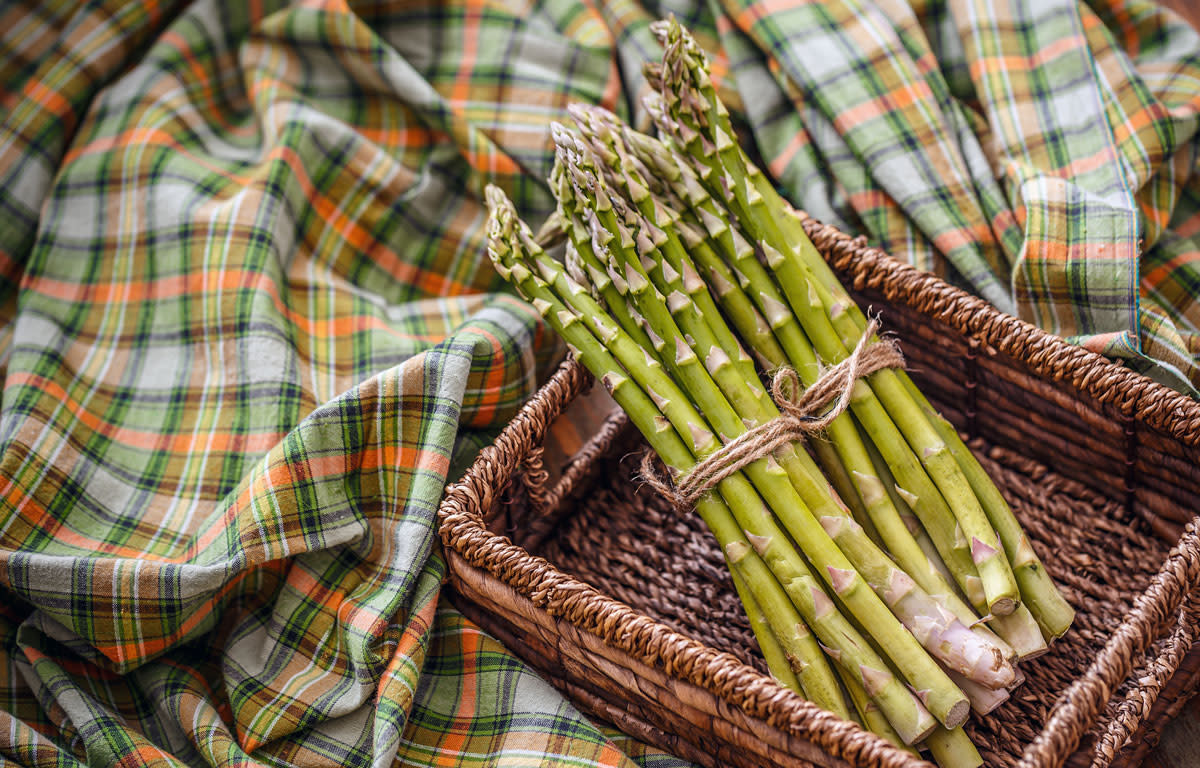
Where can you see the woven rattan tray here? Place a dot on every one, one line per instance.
(625, 606)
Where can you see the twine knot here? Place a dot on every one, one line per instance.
(802, 412)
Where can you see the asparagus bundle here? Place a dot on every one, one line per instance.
(883, 568)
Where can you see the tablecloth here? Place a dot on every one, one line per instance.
(248, 330)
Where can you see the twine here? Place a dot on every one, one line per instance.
(802, 412)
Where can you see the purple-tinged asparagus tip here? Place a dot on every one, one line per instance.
(981, 551)
(760, 543)
(833, 653)
(822, 605)
(874, 680)
(841, 579)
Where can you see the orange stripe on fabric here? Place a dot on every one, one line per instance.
(868, 199)
(753, 12)
(456, 739)
(1141, 119)
(414, 137)
(1081, 165)
(233, 279)
(151, 646)
(1100, 341)
(201, 77)
(493, 381)
(780, 163)
(1001, 62)
(150, 137)
(145, 440)
(612, 88)
(404, 455)
(491, 161)
(1162, 272)
(1189, 227)
(353, 233)
(461, 92)
(299, 579)
(962, 236)
(73, 665)
(49, 98)
(1127, 29)
(35, 515)
(901, 98)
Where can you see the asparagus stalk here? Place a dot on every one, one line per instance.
(622, 170)
(983, 700)
(693, 102)
(926, 499)
(656, 223)
(953, 749)
(778, 662)
(937, 629)
(895, 532)
(870, 717)
(670, 280)
(1051, 611)
(736, 507)
(1041, 600)
(843, 485)
(1053, 614)
(1038, 591)
(590, 263)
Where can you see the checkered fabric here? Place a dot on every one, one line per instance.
(1040, 153)
(248, 331)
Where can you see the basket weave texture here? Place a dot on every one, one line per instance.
(624, 603)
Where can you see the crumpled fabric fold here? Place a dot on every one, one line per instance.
(248, 330)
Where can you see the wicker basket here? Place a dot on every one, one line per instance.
(625, 605)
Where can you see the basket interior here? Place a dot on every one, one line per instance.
(631, 545)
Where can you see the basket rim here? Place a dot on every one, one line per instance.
(1132, 394)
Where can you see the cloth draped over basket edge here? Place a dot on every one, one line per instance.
(249, 328)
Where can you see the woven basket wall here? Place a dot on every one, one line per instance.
(626, 606)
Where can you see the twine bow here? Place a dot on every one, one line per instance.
(802, 412)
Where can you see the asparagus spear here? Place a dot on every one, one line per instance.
(778, 662)
(939, 631)
(870, 717)
(926, 499)
(1053, 614)
(953, 749)
(1019, 628)
(736, 506)
(1038, 591)
(868, 473)
(1051, 611)
(621, 169)
(693, 102)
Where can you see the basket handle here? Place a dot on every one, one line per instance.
(466, 501)
(581, 468)
(1148, 683)
(1078, 708)
(534, 477)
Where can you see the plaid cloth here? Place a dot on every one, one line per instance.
(248, 338)
(1042, 154)
(247, 330)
